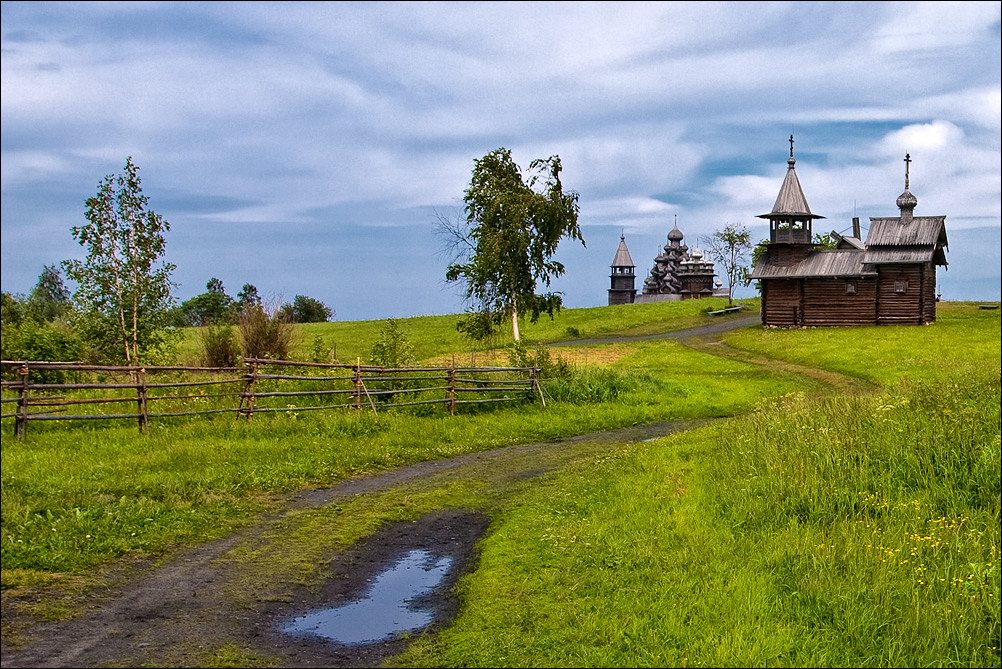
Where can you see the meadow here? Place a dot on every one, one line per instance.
(810, 526)
(815, 531)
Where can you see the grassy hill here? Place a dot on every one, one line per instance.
(815, 523)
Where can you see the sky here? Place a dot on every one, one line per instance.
(310, 149)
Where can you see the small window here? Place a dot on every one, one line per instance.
(900, 286)
(850, 287)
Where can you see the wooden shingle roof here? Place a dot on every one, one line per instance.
(831, 264)
(622, 258)
(923, 230)
(921, 240)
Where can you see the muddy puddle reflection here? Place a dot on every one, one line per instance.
(387, 608)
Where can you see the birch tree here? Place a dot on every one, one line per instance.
(505, 245)
(123, 290)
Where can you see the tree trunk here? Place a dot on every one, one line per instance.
(514, 323)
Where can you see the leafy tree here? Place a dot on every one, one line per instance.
(49, 300)
(124, 286)
(503, 250)
(824, 240)
(304, 309)
(730, 248)
(13, 309)
(213, 306)
(248, 296)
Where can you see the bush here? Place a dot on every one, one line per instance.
(520, 356)
(392, 349)
(219, 346)
(322, 351)
(31, 340)
(265, 335)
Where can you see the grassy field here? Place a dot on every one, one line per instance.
(434, 336)
(75, 497)
(814, 528)
(836, 531)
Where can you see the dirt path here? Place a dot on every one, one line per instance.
(203, 608)
(727, 324)
(181, 613)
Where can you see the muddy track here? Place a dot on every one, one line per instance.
(177, 614)
(180, 613)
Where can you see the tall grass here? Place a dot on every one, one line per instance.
(75, 496)
(816, 532)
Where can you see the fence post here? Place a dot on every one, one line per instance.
(534, 377)
(21, 421)
(452, 387)
(358, 384)
(139, 375)
(246, 408)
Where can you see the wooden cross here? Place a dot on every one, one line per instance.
(908, 160)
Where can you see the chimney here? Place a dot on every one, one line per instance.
(855, 227)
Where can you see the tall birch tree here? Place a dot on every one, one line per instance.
(123, 290)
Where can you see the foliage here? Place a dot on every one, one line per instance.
(730, 248)
(49, 300)
(393, 349)
(264, 334)
(305, 309)
(41, 340)
(219, 346)
(512, 229)
(13, 309)
(123, 291)
(824, 240)
(213, 306)
(247, 296)
(520, 356)
(322, 350)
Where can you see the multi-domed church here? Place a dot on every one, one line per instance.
(677, 274)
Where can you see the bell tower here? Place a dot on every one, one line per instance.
(790, 220)
(622, 280)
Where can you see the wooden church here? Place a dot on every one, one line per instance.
(888, 279)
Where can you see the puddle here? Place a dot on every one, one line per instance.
(387, 608)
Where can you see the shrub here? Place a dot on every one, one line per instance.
(392, 349)
(219, 346)
(264, 334)
(520, 356)
(322, 351)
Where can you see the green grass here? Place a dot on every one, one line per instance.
(822, 528)
(964, 340)
(77, 496)
(832, 532)
(437, 335)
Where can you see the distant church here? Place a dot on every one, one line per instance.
(677, 274)
(890, 278)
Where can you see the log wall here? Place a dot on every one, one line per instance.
(782, 302)
(826, 302)
(895, 307)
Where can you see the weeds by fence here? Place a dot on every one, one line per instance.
(259, 386)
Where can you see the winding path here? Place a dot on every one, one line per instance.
(148, 614)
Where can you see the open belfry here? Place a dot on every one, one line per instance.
(888, 279)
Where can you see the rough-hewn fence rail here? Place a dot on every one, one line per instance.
(51, 390)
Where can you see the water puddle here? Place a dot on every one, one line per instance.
(386, 609)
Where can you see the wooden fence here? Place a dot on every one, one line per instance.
(245, 391)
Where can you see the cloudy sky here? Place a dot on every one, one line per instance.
(307, 148)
